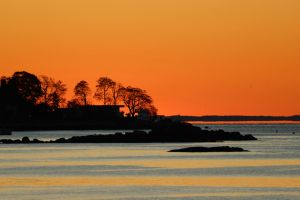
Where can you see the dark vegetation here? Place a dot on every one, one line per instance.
(29, 102)
(163, 131)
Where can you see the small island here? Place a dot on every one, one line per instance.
(209, 149)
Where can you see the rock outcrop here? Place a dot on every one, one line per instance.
(163, 131)
(209, 149)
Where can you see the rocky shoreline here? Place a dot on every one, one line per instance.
(163, 131)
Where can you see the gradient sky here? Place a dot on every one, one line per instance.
(194, 57)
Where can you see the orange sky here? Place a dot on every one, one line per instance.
(194, 57)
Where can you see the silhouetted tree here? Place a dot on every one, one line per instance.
(19, 95)
(26, 97)
(116, 93)
(81, 91)
(151, 110)
(4, 81)
(135, 99)
(73, 103)
(57, 96)
(4, 91)
(104, 84)
(27, 85)
(53, 92)
(47, 84)
(6, 98)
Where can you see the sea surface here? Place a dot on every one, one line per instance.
(270, 171)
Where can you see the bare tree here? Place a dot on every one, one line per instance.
(47, 88)
(57, 96)
(82, 91)
(104, 84)
(52, 92)
(116, 92)
(135, 99)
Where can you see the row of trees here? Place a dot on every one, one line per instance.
(23, 95)
(110, 92)
(28, 90)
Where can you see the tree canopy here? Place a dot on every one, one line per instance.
(24, 91)
(136, 100)
(104, 84)
(27, 86)
(82, 91)
(53, 92)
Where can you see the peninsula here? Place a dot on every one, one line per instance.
(163, 131)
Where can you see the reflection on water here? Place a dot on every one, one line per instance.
(271, 170)
(153, 181)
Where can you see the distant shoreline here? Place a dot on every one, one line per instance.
(115, 125)
(241, 122)
(236, 118)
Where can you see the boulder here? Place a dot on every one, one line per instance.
(209, 149)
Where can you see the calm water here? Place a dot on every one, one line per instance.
(271, 170)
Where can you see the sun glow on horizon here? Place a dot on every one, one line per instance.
(193, 57)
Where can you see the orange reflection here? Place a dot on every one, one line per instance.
(163, 163)
(153, 181)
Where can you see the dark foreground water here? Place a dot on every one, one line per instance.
(271, 170)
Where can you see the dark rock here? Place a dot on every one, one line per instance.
(25, 140)
(168, 131)
(118, 134)
(36, 141)
(60, 140)
(9, 141)
(209, 149)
